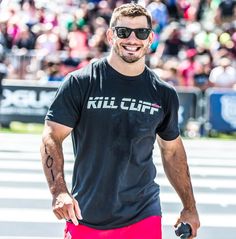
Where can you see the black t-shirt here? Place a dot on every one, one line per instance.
(115, 120)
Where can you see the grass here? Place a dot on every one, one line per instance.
(225, 135)
(33, 128)
(23, 128)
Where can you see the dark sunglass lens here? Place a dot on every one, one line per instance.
(142, 33)
(123, 32)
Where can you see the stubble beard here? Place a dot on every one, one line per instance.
(130, 59)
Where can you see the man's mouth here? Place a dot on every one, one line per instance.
(131, 48)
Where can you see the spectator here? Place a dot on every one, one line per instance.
(171, 41)
(104, 10)
(226, 40)
(206, 11)
(183, 7)
(5, 39)
(172, 9)
(26, 39)
(30, 16)
(188, 68)
(97, 40)
(78, 48)
(159, 12)
(207, 39)
(55, 30)
(234, 45)
(85, 61)
(226, 12)
(51, 70)
(3, 74)
(13, 24)
(48, 41)
(223, 75)
(69, 63)
(169, 72)
(41, 15)
(201, 75)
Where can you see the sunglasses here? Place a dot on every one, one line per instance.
(125, 32)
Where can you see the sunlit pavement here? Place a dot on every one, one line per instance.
(25, 201)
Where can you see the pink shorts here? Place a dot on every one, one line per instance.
(148, 228)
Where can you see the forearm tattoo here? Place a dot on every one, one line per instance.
(49, 164)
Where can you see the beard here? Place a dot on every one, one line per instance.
(132, 57)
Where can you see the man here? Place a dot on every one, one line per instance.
(114, 108)
(224, 74)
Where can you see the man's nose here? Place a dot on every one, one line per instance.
(132, 36)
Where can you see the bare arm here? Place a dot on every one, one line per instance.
(64, 205)
(176, 168)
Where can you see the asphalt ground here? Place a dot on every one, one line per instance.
(25, 201)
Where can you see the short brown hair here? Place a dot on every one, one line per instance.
(130, 10)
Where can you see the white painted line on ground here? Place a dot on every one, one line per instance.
(203, 198)
(28, 215)
(207, 171)
(24, 193)
(31, 165)
(32, 156)
(44, 194)
(207, 220)
(47, 216)
(202, 162)
(20, 177)
(203, 182)
(26, 177)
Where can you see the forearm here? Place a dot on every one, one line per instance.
(53, 164)
(63, 203)
(177, 171)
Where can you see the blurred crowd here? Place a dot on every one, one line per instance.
(195, 41)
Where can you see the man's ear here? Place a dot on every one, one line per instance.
(110, 36)
(151, 38)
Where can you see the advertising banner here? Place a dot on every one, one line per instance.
(221, 110)
(25, 103)
(28, 103)
(189, 105)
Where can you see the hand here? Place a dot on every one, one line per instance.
(191, 217)
(65, 206)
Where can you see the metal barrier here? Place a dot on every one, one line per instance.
(29, 64)
(23, 64)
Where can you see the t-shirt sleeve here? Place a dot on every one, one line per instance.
(169, 129)
(66, 106)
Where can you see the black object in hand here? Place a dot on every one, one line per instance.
(183, 230)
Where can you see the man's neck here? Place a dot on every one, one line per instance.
(125, 68)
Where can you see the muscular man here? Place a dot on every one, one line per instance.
(115, 109)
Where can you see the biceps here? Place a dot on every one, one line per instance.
(169, 145)
(56, 131)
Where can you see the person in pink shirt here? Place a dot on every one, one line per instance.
(188, 68)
